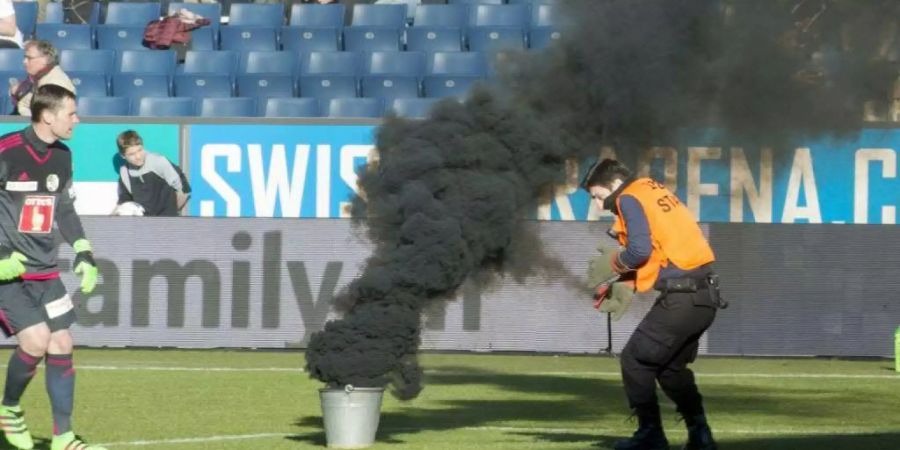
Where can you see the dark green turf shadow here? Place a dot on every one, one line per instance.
(583, 400)
(39, 444)
(594, 400)
(875, 441)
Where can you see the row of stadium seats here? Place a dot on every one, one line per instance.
(323, 75)
(487, 38)
(264, 86)
(458, 14)
(223, 62)
(251, 107)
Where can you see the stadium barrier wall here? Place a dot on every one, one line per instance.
(268, 283)
(812, 285)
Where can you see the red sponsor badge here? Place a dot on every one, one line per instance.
(37, 214)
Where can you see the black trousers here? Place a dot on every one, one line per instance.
(660, 349)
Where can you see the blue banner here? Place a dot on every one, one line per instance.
(276, 170)
(310, 171)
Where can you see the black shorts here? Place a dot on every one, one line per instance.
(24, 303)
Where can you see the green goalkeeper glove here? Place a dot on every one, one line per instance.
(85, 265)
(11, 266)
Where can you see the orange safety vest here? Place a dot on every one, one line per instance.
(674, 232)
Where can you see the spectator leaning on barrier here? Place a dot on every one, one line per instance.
(665, 250)
(10, 36)
(149, 179)
(41, 65)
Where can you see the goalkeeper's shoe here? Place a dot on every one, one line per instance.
(12, 420)
(68, 441)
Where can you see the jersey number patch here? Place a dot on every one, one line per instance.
(37, 214)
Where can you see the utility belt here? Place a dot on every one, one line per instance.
(690, 284)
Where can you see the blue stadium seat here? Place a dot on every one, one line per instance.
(257, 14)
(54, 13)
(292, 107)
(330, 63)
(90, 84)
(26, 17)
(457, 63)
(265, 85)
(490, 39)
(453, 16)
(146, 61)
(394, 63)
(448, 85)
(131, 13)
(211, 11)
(541, 37)
(371, 39)
(138, 85)
(227, 107)
(204, 61)
(546, 15)
(354, 107)
(98, 61)
(164, 107)
(433, 39)
(204, 38)
(475, 2)
(390, 87)
(499, 16)
(120, 37)
(233, 37)
(7, 76)
(203, 85)
(297, 39)
(268, 62)
(413, 108)
(327, 75)
(11, 59)
(325, 87)
(317, 16)
(388, 16)
(66, 36)
(103, 106)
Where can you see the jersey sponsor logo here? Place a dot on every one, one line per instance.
(59, 306)
(37, 214)
(21, 186)
(52, 182)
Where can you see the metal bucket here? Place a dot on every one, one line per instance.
(351, 415)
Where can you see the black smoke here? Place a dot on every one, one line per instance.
(448, 198)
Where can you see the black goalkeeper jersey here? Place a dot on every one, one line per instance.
(36, 197)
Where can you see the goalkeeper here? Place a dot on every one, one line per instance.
(665, 250)
(36, 198)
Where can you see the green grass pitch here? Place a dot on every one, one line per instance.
(188, 400)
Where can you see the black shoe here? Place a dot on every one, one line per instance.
(647, 437)
(699, 435)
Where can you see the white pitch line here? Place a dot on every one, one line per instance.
(229, 437)
(597, 431)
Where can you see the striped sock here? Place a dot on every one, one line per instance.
(19, 373)
(61, 389)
